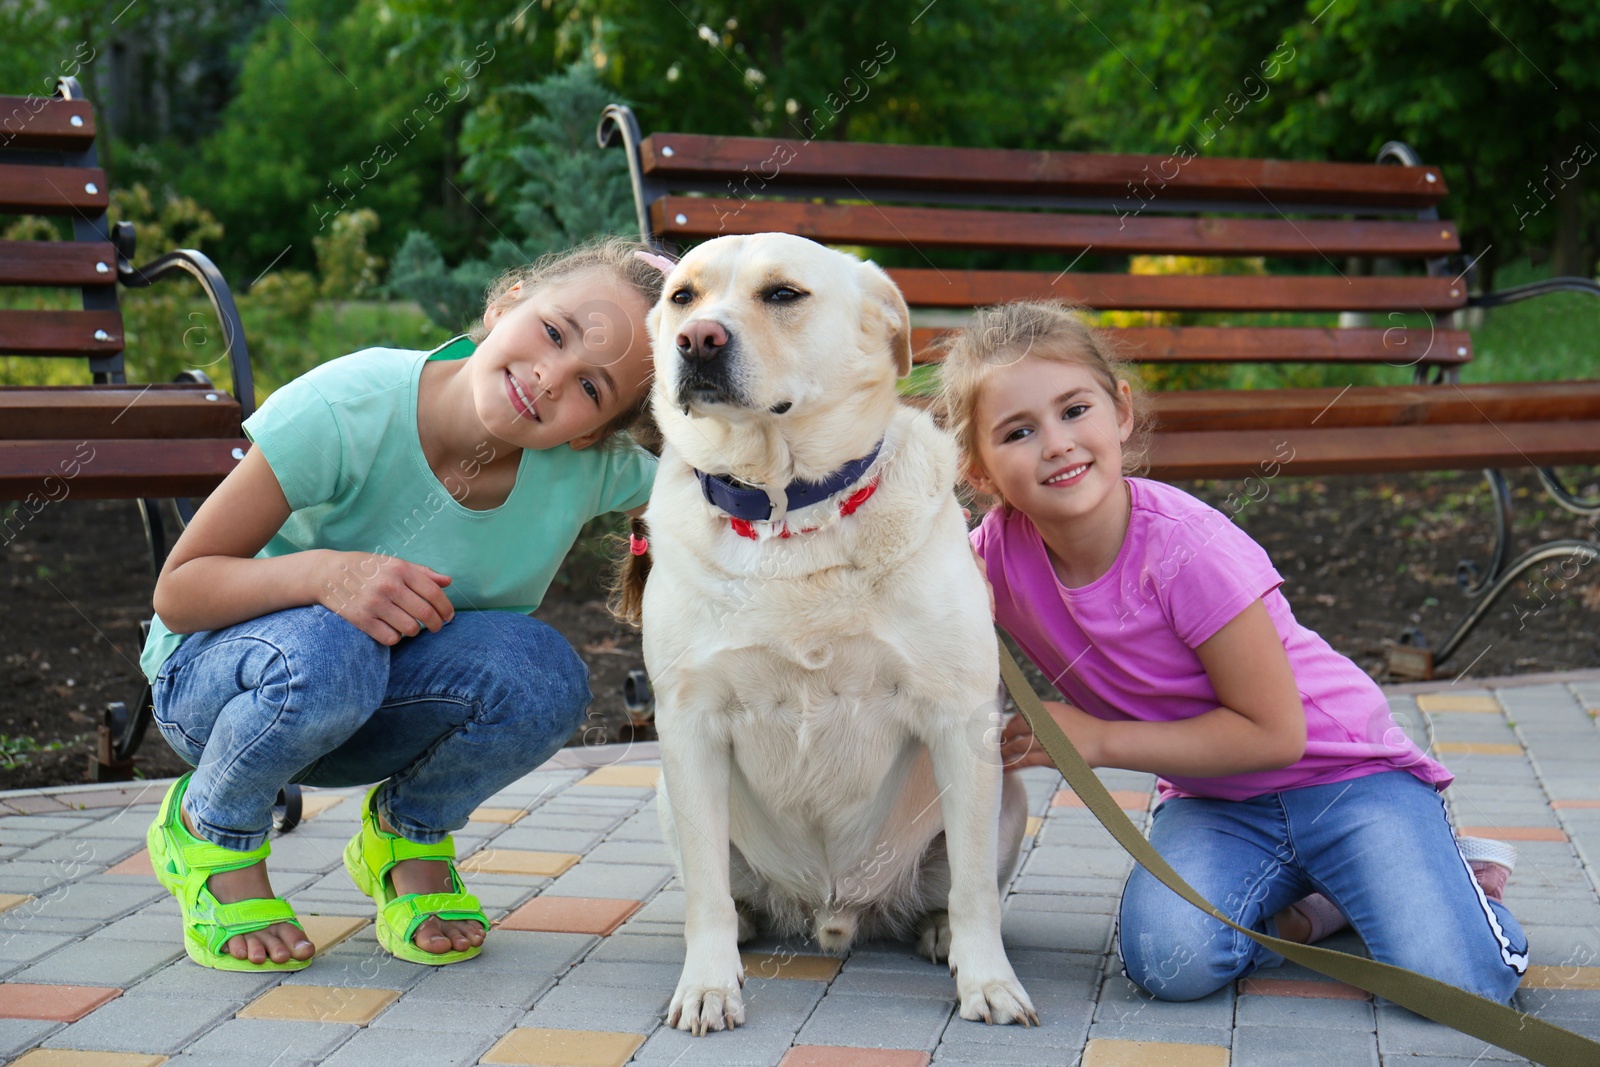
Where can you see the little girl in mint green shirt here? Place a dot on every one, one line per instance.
(352, 604)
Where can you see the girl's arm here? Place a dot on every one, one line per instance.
(1260, 725)
(212, 578)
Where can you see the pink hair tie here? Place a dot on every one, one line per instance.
(637, 545)
(659, 262)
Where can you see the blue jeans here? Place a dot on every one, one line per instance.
(301, 695)
(1380, 847)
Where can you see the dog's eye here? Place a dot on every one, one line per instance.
(783, 294)
(682, 297)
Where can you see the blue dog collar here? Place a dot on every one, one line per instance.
(754, 505)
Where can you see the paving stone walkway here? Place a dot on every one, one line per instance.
(589, 941)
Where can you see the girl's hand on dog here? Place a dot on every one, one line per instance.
(1019, 747)
(384, 597)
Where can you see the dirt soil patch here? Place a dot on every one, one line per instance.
(1363, 558)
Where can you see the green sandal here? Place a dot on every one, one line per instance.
(182, 864)
(369, 857)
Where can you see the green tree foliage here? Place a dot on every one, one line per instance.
(1492, 91)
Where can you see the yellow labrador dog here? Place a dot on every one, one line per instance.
(817, 635)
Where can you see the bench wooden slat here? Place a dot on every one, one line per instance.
(115, 469)
(1362, 450)
(1266, 344)
(45, 123)
(755, 163)
(917, 227)
(39, 190)
(59, 333)
(67, 263)
(78, 413)
(924, 287)
(1377, 406)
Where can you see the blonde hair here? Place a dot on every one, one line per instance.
(605, 253)
(1045, 329)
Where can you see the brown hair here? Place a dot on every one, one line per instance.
(1047, 329)
(614, 254)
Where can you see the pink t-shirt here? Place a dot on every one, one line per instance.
(1122, 647)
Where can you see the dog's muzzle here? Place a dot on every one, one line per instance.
(706, 354)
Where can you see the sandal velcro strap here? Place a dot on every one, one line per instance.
(196, 854)
(410, 912)
(386, 850)
(226, 921)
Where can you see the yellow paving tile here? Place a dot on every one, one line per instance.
(618, 774)
(1435, 702)
(512, 861)
(313, 804)
(11, 900)
(1106, 1052)
(564, 1048)
(325, 931)
(505, 815)
(1478, 748)
(1558, 977)
(68, 1057)
(788, 965)
(320, 1003)
(1035, 824)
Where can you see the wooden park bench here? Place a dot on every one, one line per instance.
(1054, 209)
(108, 439)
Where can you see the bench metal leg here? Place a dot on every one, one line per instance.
(1411, 658)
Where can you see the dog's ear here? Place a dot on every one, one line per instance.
(884, 314)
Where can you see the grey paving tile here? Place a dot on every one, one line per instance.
(1063, 931)
(483, 1017)
(1150, 1026)
(266, 1043)
(1400, 1031)
(665, 906)
(98, 961)
(447, 985)
(623, 947)
(1309, 1012)
(1063, 1026)
(27, 922)
(144, 926)
(381, 1047)
(636, 1010)
(631, 974)
(527, 954)
(25, 839)
(360, 965)
(186, 978)
(1054, 884)
(627, 881)
(543, 839)
(877, 1022)
(545, 819)
(1272, 1046)
(1125, 1003)
(1089, 904)
(98, 901)
(17, 946)
(1078, 862)
(82, 851)
(639, 852)
(52, 824)
(19, 1035)
(934, 982)
(128, 1025)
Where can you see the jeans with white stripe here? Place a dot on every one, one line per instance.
(1380, 847)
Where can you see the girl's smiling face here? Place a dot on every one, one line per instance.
(561, 362)
(1049, 438)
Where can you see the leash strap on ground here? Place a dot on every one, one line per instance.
(1514, 1031)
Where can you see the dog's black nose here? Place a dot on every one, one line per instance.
(702, 339)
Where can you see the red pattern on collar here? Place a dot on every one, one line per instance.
(847, 506)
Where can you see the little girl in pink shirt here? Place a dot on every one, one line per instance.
(1288, 796)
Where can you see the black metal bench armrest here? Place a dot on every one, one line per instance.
(199, 266)
(1501, 297)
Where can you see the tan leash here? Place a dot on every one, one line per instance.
(1512, 1030)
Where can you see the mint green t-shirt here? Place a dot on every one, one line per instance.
(342, 441)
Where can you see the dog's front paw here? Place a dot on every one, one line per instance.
(700, 1005)
(995, 998)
